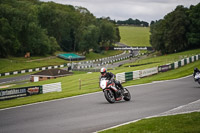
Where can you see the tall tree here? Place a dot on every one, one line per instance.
(194, 29)
(108, 33)
(177, 24)
(157, 35)
(89, 39)
(170, 34)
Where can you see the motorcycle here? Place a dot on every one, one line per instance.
(112, 93)
(197, 77)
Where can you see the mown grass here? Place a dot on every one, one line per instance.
(134, 36)
(103, 54)
(89, 82)
(20, 63)
(172, 74)
(153, 60)
(182, 123)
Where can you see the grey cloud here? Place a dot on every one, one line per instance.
(145, 10)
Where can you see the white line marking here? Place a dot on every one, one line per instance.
(50, 101)
(153, 116)
(155, 82)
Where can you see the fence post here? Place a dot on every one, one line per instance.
(79, 84)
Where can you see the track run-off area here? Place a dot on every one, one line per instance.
(91, 112)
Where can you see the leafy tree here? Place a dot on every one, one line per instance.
(176, 29)
(43, 27)
(89, 39)
(8, 42)
(157, 36)
(135, 22)
(171, 34)
(108, 33)
(194, 29)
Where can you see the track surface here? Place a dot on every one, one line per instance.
(90, 113)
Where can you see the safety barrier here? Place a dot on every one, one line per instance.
(127, 76)
(80, 65)
(54, 87)
(183, 62)
(28, 91)
(20, 92)
(32, 70)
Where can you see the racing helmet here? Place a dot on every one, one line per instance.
(196, 69)
(103, 70)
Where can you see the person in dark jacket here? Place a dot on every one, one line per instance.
(110, 76)
(196, 70)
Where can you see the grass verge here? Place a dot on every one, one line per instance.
(182, 123)
(21, 63)
(134, 36)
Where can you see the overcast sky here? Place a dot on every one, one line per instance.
(144, 10)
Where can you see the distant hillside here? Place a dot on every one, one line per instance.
(134, 36)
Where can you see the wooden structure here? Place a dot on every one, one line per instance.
(49, 74)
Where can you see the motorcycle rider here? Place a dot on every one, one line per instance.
(110, 76)
(196, 70)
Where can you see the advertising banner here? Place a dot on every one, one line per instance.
(54, 87)
(136, 74)
(128, 76)
(148, 72)
(127, 48)
(19, 92)
(120, 77)
(164, 68)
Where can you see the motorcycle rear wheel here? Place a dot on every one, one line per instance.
(109, 95)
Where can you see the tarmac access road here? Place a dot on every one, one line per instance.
(91, 112)
(14, 79)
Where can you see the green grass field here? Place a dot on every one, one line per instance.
(182, 123)
(134, 36)
(20, 63)
(89, 82)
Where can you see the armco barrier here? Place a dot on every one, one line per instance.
(28, 91)
(148, 72)
(136, 74)
(127, 76)
(54, 87)
(164, 68)
(31, 70)
(69, 64)
(20, 92)
(121, 77)
(184, 61)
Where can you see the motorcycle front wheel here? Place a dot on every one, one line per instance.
(109, 95)
(199, 81)
(127, 95)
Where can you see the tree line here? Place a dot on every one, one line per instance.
(135, 22)
(179, 30)
(44, 27)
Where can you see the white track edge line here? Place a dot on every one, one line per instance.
(153, 116)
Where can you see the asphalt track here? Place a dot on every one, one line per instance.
(90, 113)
